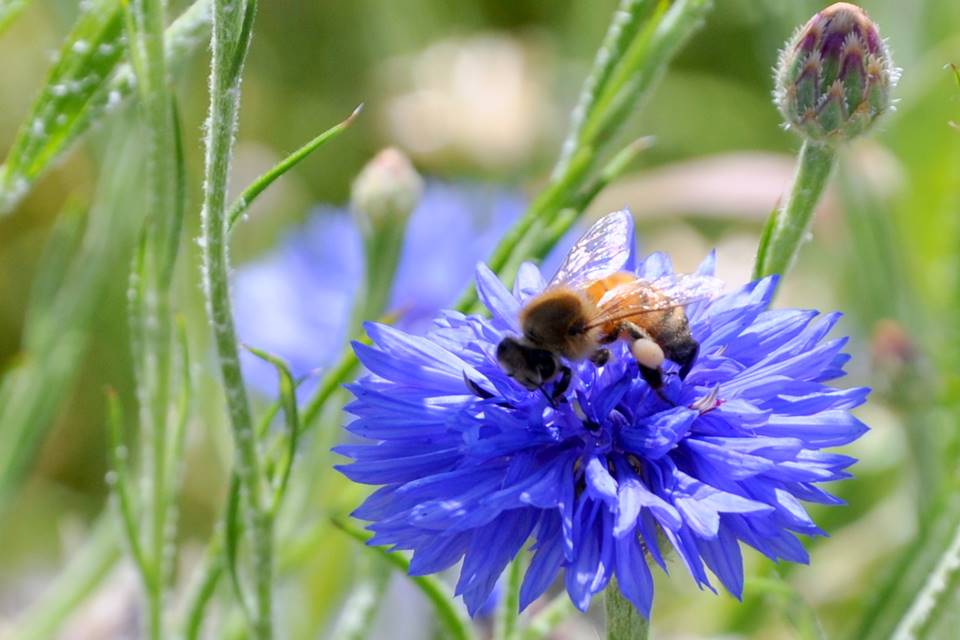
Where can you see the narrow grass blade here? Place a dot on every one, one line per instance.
(60, 324)
(96, 88)
(938, 589)
(288, 399)
(233, 532)
(9, 10)
(508, 611)
(910, 570)
(457, 627)
(359, 613)
(89, 55)
(238, 208)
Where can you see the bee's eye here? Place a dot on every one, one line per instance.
(576, 329)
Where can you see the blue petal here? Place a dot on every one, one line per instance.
(546, 561)
(723, 557)
(633, 574)
(655, 436)
(502, 305)
(826, 429)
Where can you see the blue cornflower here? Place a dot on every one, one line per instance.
(296, 302)
(472, 464)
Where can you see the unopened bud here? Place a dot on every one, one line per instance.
(386, 191)
(834, 77)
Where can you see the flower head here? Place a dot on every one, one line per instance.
(472, 465)
(835, 75)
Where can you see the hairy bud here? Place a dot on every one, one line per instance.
(386, 191)
(834, 76)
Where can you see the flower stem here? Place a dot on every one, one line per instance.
(788, 226)
(624, 622)
(232, 25)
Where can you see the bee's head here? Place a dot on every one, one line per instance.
(529, 365)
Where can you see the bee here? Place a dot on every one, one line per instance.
(592, 302)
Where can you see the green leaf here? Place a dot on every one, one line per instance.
(260, 184)
(447, 613)
(88, 57)
(60, 321)
(359, 611)
(288, 399)
(910, 570)
(9, 10)
(508, 611)
(86, 83)
(233, 531)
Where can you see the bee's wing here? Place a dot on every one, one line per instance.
(603, 250)
(646, 296)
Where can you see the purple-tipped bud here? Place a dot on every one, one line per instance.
(834, 76)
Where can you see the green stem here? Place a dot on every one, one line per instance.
(232, 22)
(622, 83)
(206, 586)
(146, 20)
(938, 591)
(789, 225)
(508, 610)
(624, 622)
(624, 25)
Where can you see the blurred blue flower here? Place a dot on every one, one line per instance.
(598, 478)
(297, 301)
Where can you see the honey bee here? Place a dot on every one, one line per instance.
(591, 302)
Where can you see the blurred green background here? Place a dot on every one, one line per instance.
(481, 90)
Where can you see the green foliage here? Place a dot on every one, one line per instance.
(86, 83)
(884, 250)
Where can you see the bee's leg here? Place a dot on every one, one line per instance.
(652, 377)
(600, 357)
(548, 396)
(687, 359)
(634, 330)
(561, 386)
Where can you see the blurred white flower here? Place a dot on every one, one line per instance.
(482, 98)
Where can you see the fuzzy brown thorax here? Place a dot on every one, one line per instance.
(557, 320)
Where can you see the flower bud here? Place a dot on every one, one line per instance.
(834, 76)
(386, 191)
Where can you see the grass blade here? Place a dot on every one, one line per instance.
(9, 10)
(55, 122)
(89, 55)
(288, 399)
(238, 208)
(457, 627)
